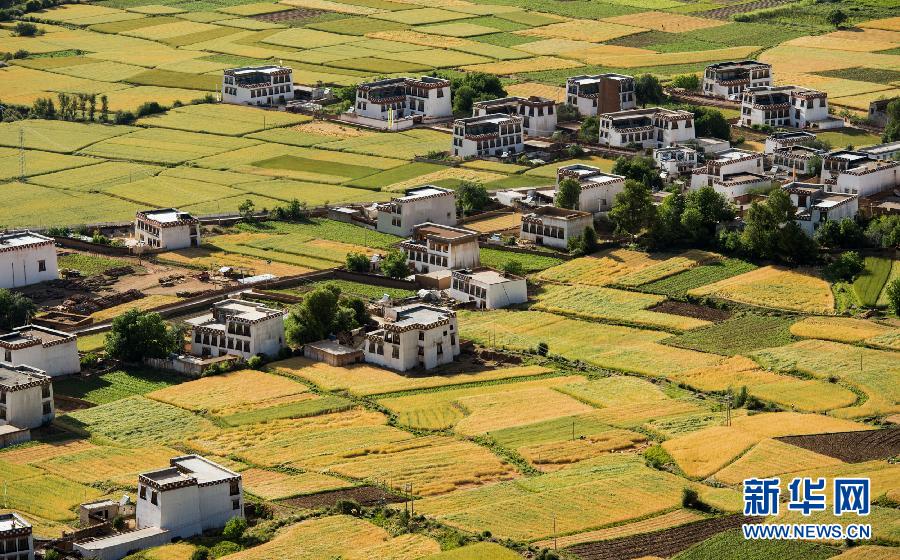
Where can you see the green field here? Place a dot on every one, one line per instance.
(731, 545)
(116, 385)
(368, 291)
(679, 284)
(497, 258)
(869, 284)
(89, 265)
(737, 335)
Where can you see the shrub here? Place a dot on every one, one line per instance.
(690, 498)
(51, 554)
(847, 266)
(394, 265)
(255, 362)
(893, 295)
(357, 262)
(201, 553)
(543, 348)
(118, 523)
(686, 81)
(234, 529)
(90, 360)
(224, 548)
(150, 108)
(25, 29)
(657, 457)
(347, 507)
(513, 267)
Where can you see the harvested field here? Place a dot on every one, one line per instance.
(665, 21)
(661, 543)
(774, 287)
(274, 485)
(838, 329)
(851, 447)
(492, 224)
(367, 496)
(605, 267)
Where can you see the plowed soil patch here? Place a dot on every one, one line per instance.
(364, 495)
(851, 447)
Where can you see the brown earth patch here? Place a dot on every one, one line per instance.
(290, 15)
(691, 310)
(364, 495)
(851, 447)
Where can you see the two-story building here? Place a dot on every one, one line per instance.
(412, 336)
(838, 161)
(26, 397)
(786, 139)
(258, 85)
(598, 188)
(727, 79)
(238, 328)
(600, 93)
(653, 127)
(867, 179)
(398, 98)
(553, 227)
(538, 113)
(676, 160)
(167, 228)
(191, 496)
(427, 203)
(732, 173)
(26, 258)
(495, 135)
(436, 247)
(815, 205)
(792, 106)
(51, 351)
(16, 540)
(488, 288)
(797, 159)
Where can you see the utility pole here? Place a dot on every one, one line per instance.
(21, 154)
(554, 533)
(728, 410)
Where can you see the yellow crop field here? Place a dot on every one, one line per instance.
(597, 53)
(145, 303)
(363, 379)
(791, 58)
(519, 509)
(605, 304)
(460, 173)
(664, 521)
(839, 329)
(669, 267)
(702, 453)
(527, 89)
(808, 395)
(331, 6)
(891, 24)
(100, 464)
(167, 30)
(274, 485)
(340, 536)
(420, 16)
(599, 269)
(862, 101)
(211, 259)
(555, 46)
(76, 13)
(36, 452)
(868, 40)
(774, 287)
(233, 392)
(888, 341)
(665, 21)
(418, 38)
(47, 496)
(524, 65)
(502, 222)
(875, 372)
(176, 551)
(661, 59)
(482, 409)
(305, 38)
(582, 30)
(772, 458)
(232, 120)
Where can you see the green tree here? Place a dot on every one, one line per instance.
(837, 17)
(589, 130)
(321, 313)
(246, 210)
(584, 244)
(513, 267)
(893, 295)
(25, 29)
(394, 265)
(846, 266)
(648, 90)
(710, 122)
(667, 229)
(633, 210)
(884, 231)
(135, 335)
(357, 262)
(104, 108)
(689, 82)
(845, 233)
(772, 233)
(234, 529)
(641, 169)
(892, 128)
(15, 309)
(704, 210)
(568, 193)
(472, 196)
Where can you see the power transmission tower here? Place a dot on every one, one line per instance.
(21, 154)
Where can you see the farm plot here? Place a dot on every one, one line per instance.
(115, 385)
(731, 545)
(739, 334)
(774, 287)
(496, 223)
(665, 21)
(57, 136)
(231, 120)
(314, 194)
(496, 258)
(463, 29)
(33, 205)
(884, 520)
(771, 458)
(869, 284)
(405, 145)
(241, 244)
(477, 551)
(679, 284)
(875, 372)
(420, 16)
(305, 38)
(610, 346)
(869, 552)
(582, 30)
(275, 485)
(340, 536)
(366, 291)
(664, 521)
(135, 421)
(158, 145)
(669, 267)
(364, 380)
(617, 306)
(476, 410)
(509, 67)
(170, 192)
(851, 447)
(302, 136)
(96, 177)
(213, 258)
(115, 464)
(86, 14)
(808, 395)
(519, 509)
(839, 329)
(47, 496)
(702, 453)
(448, 177)
(37, 163)
(599, 269)
(36, 452)
(151, 301)
(895, 273)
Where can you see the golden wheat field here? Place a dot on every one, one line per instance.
(502, 222)
(599, 269)
(657, 523)
(582, 30)
(771, 458)
(869, 552)
(101, 464)
(839, 329)
(664, 21)
(275, 485)
(233, 392)
(774, 287)
(30, 454)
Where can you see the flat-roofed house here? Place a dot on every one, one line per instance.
(798, 160)
(675, 160)
(786, 139)
(412, 336)
(238, 328)
(488, 288)
(725, 79)
(167, 228)
(553, 227)
(26, 258)
(16, 540)
(867, 179)
(189, 497)
(815, 205)
(792, 106)
(427, 203)
(731, 173)
(51, 351)
(600, 93)
(26, 397)
(258, 85)
(598, 188)
(836, 162)
(889, 150)
(653, 127)
(435, 247)
(488, 135)
(538, 113)
(427, 96)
